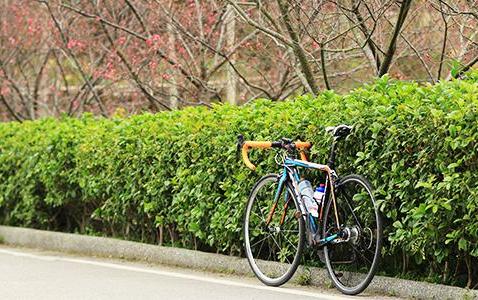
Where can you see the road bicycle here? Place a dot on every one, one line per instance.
(347, 233)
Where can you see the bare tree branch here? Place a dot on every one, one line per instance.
(75, 60)
(404, 8)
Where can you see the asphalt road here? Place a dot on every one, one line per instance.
(28, 274)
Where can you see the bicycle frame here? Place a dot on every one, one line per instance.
(290, 173)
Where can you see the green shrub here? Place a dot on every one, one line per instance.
(174, 177)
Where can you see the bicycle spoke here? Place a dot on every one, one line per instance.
(252, 246)
(270, 248)
(361, 254)
(352, 210)
(262, 245)
(280, 249)
(292, 244)
(262, 217)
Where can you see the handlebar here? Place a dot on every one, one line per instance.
(284, 144)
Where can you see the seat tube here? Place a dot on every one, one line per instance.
(332, 193)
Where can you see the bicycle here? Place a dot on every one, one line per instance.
(348, 230)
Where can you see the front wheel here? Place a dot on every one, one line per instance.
(273, 231)
(352, 260)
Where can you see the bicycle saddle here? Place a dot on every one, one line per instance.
(339, 131)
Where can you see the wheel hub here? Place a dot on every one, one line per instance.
(351, 234)
(273, 229)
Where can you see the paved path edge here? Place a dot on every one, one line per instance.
(114, 248)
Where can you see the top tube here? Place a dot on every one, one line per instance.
(306, 164)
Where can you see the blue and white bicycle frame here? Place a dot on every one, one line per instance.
(292, 174)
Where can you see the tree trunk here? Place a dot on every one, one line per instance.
(160, 238)
(297, 49)
(230, 33)
(173, 85)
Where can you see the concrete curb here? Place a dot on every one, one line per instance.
(108, 247)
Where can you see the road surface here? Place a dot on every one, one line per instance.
(29, 274)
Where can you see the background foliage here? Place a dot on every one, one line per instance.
(173, 178)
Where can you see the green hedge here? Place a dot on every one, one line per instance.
(174, 177)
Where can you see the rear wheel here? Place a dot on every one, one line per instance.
(273, 248)
(353, 259)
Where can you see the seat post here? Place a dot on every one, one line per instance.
(331, 162)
